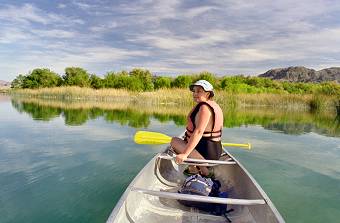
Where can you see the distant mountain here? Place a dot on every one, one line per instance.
(303, 74)
(4, 83)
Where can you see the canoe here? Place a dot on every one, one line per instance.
(152, 195)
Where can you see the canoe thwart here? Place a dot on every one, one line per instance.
(190, 197)
(197, 161)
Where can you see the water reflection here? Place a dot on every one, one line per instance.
(140, 115)
(38, 112)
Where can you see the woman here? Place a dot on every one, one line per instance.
(204, 129)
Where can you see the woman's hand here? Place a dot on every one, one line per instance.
(180, 158)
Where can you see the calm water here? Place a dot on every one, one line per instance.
(72, 165)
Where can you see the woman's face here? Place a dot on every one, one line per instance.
(199, 94)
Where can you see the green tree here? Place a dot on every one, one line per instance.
(162, 82)
(110, 80)
(18, 82)
(144, 76)
(131, 83)
(182, 81)
(96, 82)
(121, 81)
(40, 78)
(134, 84)
(76, 76)
(229, 83)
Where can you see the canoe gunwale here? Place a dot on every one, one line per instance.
(259, 188)
(122, 199)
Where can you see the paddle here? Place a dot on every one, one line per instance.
(145, 137)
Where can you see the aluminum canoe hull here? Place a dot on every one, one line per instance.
(163, 175)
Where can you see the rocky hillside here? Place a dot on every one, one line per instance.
(303, 74)
(4, 84)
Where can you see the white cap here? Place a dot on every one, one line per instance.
(204, 84)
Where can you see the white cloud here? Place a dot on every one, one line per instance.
(61, 6)
(106, 54)
(9, 11)
(11, 35)
(57, 59)
(168, 41)
(191, 13)
(26, 14)
(251, 55)
(172, 36)
(55, 33)
(164, 42)
(105, 27)
(81, 5)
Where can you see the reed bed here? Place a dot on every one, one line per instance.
(74, 93)
(4, 90)
(106, 105)
(281, 101)
(163, 96)
(184, 97)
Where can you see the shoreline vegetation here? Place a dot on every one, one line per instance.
(78, 112)
(141, 86)
(182, 97)
(4, 90)
(305, 102)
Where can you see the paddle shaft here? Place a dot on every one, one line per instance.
(237, 145)
(146, 137)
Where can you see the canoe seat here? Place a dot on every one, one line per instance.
(198, 162)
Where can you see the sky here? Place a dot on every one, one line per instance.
(168, 37)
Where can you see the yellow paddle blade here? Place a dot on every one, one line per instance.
(247, 145)
(144, 137)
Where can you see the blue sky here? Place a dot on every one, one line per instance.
(168, 37)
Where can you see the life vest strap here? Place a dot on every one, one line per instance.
(208, 132)
(210, 136)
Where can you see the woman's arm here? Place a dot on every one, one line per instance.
(203, 117)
